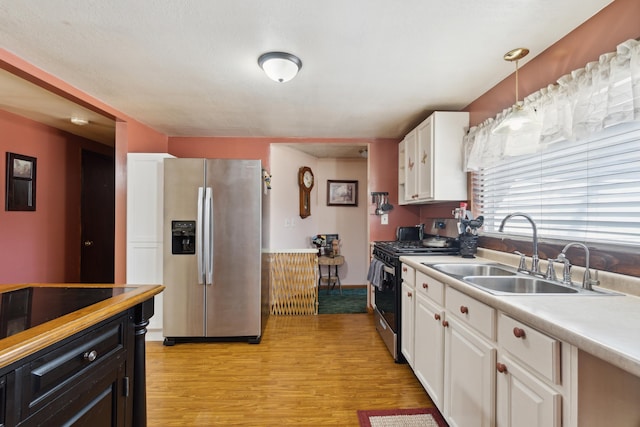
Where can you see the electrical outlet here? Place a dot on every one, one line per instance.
(384, 219)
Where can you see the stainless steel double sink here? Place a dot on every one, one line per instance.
(503, 280)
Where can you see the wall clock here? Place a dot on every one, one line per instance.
(305, 182)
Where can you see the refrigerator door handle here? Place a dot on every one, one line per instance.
(208, 231)
(199, 246)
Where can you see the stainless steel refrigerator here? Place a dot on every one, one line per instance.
(215, 269)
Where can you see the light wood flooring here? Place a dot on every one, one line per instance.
(308, 371)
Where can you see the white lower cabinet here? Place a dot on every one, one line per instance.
(407, 321)
(523, 400)
(483, 368)
(529, 378)
(469, 378)
(429, 348)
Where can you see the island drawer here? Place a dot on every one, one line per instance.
(430, 287)
(474, 313)
(537, 350)
(46, 377)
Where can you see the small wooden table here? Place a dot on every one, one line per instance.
(335, 261)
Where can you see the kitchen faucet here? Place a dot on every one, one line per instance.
(535, 260)
(587, 282)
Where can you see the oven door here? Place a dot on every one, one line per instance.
(387, 301)
(387, 298)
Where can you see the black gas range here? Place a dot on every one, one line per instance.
(388, 299)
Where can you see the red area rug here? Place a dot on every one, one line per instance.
(420, 417)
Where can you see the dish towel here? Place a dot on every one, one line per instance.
(375, 274)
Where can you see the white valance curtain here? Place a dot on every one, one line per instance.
(602, 94)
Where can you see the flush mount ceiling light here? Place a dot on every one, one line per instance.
(522, 118)
(79, 121)
(280, 66)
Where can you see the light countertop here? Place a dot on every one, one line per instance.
(606, 326)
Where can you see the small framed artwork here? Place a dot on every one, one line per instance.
(21, 183)
(342, 193)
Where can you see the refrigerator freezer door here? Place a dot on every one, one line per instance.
(233, 299)
(183, 310)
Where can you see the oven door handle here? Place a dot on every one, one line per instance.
(390, 270)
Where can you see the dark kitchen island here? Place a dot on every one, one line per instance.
(74, 354)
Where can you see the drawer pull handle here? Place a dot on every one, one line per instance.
(464, 310)
(425, 286)
(501, 367)
(519, 333)
(436, 316)
(90, 356)
(445, 323)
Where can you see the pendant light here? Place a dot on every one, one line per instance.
(280, 66)
(521, 118)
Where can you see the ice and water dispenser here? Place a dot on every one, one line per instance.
(183, 237)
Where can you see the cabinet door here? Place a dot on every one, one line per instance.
(410, 167)
(424, 159)
(407, 322)
(523, 400)
(429, 348)
(469, 377)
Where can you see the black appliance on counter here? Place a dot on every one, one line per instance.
(388, 294)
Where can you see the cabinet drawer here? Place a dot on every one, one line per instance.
(47, 376)
(408, 275)
(474, 313)
(432, 288)
(537, 350)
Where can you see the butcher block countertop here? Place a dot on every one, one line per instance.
(21, 343)
(607, 327)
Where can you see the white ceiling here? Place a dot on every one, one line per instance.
(371, 68)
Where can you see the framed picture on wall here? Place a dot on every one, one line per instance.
(21, 183)
(342, 193)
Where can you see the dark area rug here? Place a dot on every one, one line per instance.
(351, 301)
(424, 417)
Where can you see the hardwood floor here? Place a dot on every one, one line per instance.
(308, 371)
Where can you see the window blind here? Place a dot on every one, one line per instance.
(586, 190)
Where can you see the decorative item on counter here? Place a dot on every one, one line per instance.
(469, 237)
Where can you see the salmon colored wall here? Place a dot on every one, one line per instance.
(618, 22)
(44, 245)
(222, 148)
(383, 176)
(134, 136)
(383, 167)
(613, 25)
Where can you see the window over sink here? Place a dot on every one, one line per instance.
(585, 190)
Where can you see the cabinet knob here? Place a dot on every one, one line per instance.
(519, 333)
(88, 243)
(404, 269)
(445, 323)
(409, 294)
(425, 285)
(90, 356)
(501, 367)
(436, 316)
(464, 310)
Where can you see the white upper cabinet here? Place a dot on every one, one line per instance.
(432, 167)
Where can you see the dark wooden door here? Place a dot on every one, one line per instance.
(97, 218)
